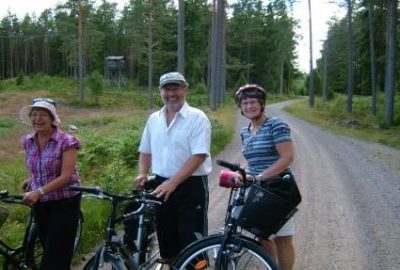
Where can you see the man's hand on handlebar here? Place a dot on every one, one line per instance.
(140, 181)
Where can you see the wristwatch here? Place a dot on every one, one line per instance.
(41, 191)
(258, 178)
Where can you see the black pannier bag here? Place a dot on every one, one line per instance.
(269, 206)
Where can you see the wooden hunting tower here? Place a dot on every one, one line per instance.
(114, 70)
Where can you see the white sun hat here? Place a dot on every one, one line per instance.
(48, 104)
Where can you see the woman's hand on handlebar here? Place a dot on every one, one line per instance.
(249, 178)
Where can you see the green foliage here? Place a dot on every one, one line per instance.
(359, 124)
(126, 151)
(201, 89)
(12, 230)
(117, 176)
(6, 125)
(117, 153)
(96, 121)
(220, 136)
(20, 78)
(242, 81)
(197, 100)
(96, 85)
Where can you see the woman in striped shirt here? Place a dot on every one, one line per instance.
(268, 150)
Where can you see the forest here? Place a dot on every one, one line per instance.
(255, 41)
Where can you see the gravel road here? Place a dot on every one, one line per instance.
(350, 214)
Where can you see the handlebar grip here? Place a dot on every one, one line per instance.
(3, 194)
(231, 166)
(152, 197)
(94, 190)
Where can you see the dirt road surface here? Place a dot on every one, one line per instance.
(350, 214)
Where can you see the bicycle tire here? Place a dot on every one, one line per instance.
(111, 262)
(34, 250)
(242, 253)
(78, 232)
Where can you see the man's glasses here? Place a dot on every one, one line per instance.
(48, 100)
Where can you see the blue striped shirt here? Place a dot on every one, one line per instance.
(259, 148)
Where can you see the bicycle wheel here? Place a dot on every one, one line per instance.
(34, 248)
(241, 253)
(111, 262)
(78, 232)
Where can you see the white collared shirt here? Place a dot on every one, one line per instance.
(188, 134)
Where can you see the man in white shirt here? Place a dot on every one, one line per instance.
(175, 145)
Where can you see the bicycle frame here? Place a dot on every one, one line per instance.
(113, 245)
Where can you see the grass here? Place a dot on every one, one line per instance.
(359, 124)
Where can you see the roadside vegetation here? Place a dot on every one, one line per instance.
(360, 124)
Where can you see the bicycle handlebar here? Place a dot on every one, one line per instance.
(226, 164)
(5, 196)
(94, 190)
(137, 195)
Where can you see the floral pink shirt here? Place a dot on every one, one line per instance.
(45, 165)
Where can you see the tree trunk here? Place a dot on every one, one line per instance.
(371, 22)
(181, 37)
(281, 78)
(349, 107)
(221, 53)
(324, 91)
(80, 53)
(26, 44)
(150, 58)
(11, 58)
(213, 61)
(390, 61)
(311, 77)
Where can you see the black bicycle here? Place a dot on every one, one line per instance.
(28, 254)
(115, 253)
(230, 249)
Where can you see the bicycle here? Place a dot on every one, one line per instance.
(229, 249)
(116, 254)
(28, 254)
